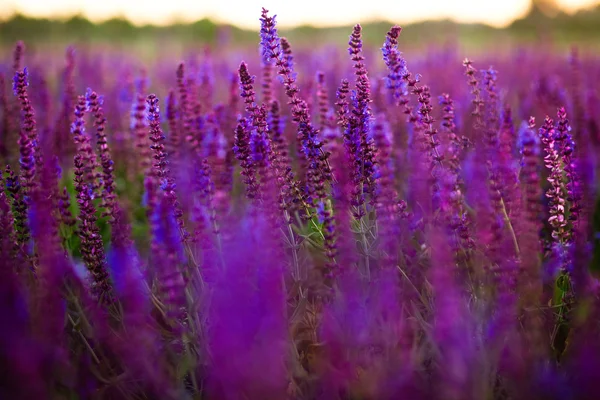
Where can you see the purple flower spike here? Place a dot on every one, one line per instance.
(159, 170)
(92, 248)
(106, 180)
(30, 159)
(319, 172)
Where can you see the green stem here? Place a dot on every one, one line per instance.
(510, 227)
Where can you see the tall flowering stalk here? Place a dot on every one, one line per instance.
(556, 193)
(344, 185)
(433, 145)
(508, 174)
(291, 199)
(267, 68)
(343, 105)
(64, 206)
(572, 182)
(206, 214)
(262, 161)
(319, 172)
(360, 140)
(260, 143)
(262, 150)
(401, 82)
(274, 179)
(242, 151)
(247, 90)
(276, 129)
(19, 208)
(387, 195)
(491, 127)
(570, 165)
(159, 169)
(558, 146)
(395, 63)
(530, 284)
(84, 146)
(28, 139)
(486, 121)
(107, 180)
(337, 144)
(7, 223)
(92, 247)
(458, 219)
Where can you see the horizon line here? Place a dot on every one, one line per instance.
(178, 18)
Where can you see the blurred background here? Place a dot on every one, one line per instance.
(144, 24)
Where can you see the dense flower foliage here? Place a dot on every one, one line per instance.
(300, 224)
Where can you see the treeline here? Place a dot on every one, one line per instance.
(581, 26)
(81, 28)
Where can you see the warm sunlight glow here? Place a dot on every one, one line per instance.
(316, 12)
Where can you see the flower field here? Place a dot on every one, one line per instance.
(312, 223)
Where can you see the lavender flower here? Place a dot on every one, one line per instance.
(92, 248)
(362, 145)
(395, 63)
(160, 171)
(64, 205)
(242, 151)
(457, 217)
(570, 165)
(7, 224)
(556, 193)
(106, 181)
(486, 120)
(423, 119)
(28, 140)
(19, 206)
(319, 172)
(276, 128)
(247, 88)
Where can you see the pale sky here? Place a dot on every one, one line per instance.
(245, 13)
